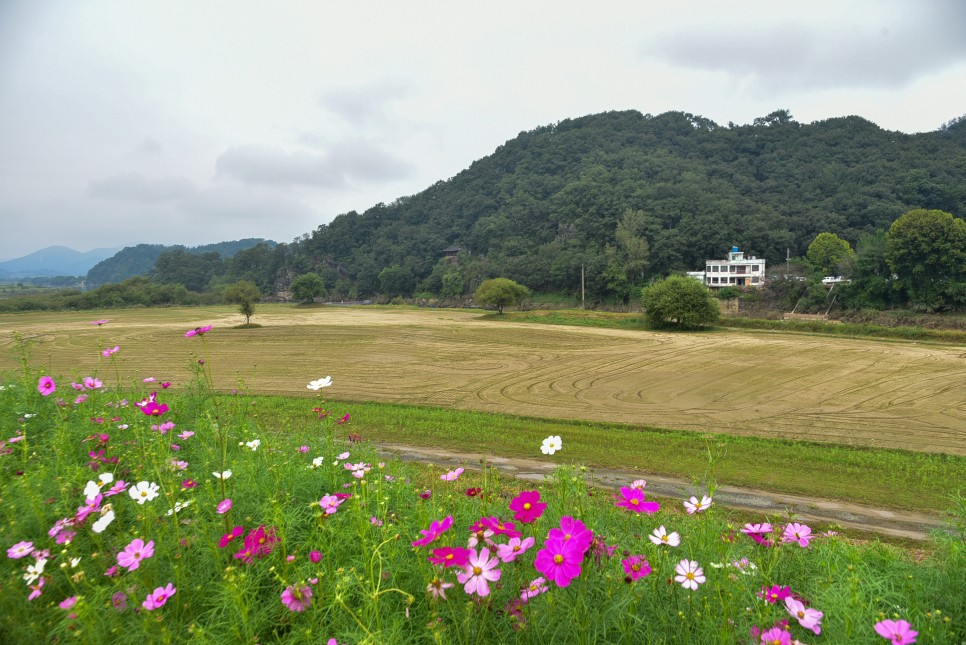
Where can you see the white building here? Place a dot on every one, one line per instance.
(736, 271)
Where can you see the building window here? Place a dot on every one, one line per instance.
(754, 267)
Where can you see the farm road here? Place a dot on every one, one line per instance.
(902, 524)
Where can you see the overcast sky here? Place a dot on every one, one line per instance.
(193, 122)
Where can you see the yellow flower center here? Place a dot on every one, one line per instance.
(636, 567)
(526, 506)
(477, 571)
(801, 615)
(558, 558)
(664, 538)
(635, 501)
(516, 547)
(689, 575)
(449, 556)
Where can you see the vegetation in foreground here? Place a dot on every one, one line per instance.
(198, 517)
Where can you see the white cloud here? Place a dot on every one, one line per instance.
(136, 187)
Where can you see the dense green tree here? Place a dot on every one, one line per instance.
(871, 284)
(396, 281)
(827, 252)
(500, 293)
(307, 287)
(245, 294)
(679, 301)
(927, 252)
(632, 243)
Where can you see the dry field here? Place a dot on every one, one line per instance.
(891, 394)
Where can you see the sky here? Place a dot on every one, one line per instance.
(186, 122)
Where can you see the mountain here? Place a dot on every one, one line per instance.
(139, 260)
(53, 261)
(551, 200)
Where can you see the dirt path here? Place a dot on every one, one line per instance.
(903, 524)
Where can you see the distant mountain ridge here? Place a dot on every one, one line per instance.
(139, 260)
(53, 261)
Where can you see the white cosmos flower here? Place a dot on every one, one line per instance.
(317, 462)
(660, 536)
(144, 492)
(223, 475)
(319, 384)
(254, 444)
(94, 488)
(34, 570)
(103, 522)
(178, 507)
(551, 445)
(74, 562)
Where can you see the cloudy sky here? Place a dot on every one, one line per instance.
(179, 121)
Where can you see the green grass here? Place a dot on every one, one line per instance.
(636, 322)
(887, 478)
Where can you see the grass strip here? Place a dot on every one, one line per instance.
(886, 478)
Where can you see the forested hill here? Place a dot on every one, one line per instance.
(139, 260)
(551, 199)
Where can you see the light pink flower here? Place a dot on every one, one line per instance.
(452, 475)
(636, 567)
(197, 331)
(694, 505)
(37, 590)
(187, 434)
(807, 618)
(690, 575)
(20, 550)
(330, 504)
(795, 532)
(515, 547)
(437, 588)
(92, 383)
(130, 558)
(479, 573)
(110, 351)
(224, 506)
(536, 587)
(776, 636)
(67, 603)
(158, 597)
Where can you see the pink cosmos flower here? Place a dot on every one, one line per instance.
(694, 505)
(119, 601)
(166, 385)
(800, 533)
(437, 588)
(343, 455)
(224, 506)
(572, 529)
(452, 475)
(37, 590)
(158, 597)
(197, 331)
(690, 575)
(46, 386)
(499, 527)
(130, 558)
(536, 587)
(259, 543)
(20, 550)
(660, 536)
(100, 322)
(480, 535)
(92, 383)
(67, 603)
(449, 556)
(898, 631)
(636, 567)
(297, 597)
(639, 484)
(330, 504)
(150, 379)
(807, 618)
(515, 547)
(776, 636)
(559, 560)
(757, 532)
(775, 593)
(527, 506)
(315, 557)
(426, 494)
(154, 409)
(107, 353)
(80, 399)
(187, 434)
(434, 531)
(633, 500)
(479, 572)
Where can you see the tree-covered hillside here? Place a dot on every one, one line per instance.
(683, 189)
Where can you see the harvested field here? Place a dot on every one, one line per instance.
(886, 394)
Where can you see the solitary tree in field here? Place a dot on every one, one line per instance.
(679, 301)
(245, 294)
(826, 252)
(927, 251)
(500, 292)
(308, 287)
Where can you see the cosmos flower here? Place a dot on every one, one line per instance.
(551, 444)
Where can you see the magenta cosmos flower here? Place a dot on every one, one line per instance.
(690, 575)
(559, 560)
(479, 572)
(898, 631)
(527, 506)
(775, 593)
(633, 500)
(224, 506)
(197, 331)
(450, 556)
(46, 386)
(636, 567)
(434, 531)
(776, 636)
(572, 529)
(154, 409)
(158, 597)
(807, 618)
(297, 597)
